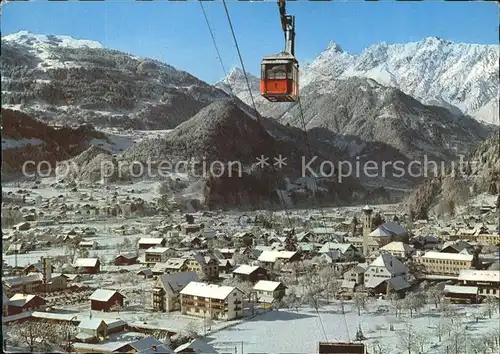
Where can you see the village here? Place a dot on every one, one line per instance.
(99, 268)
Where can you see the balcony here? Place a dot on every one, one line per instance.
(237, 302)
(237, 308)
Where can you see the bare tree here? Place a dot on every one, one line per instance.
(360, 301)
(434, 295)
(491, 306)
(328, 276)
(408, 337)
(34, 335)
(413, 303)
(291, 300)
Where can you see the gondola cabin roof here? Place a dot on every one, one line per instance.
(280, 58)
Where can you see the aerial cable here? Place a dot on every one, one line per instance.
(257, 114)
(215, 45)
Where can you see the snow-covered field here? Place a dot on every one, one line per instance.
(287, 331)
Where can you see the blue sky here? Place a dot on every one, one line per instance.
(177, 34)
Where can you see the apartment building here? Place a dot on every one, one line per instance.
(166, 292)
(207, 267)
(212, 301)
(441, 263)
(487, 281)
(159, 254)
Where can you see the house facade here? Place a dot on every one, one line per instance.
(166, 291)
(268, 291)
(105, 300)
(441, 263)
(207, 267)
(212, 301)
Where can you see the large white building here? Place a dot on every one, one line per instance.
(212, 301)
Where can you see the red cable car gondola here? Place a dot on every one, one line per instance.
(280, 72)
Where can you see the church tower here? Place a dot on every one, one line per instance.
(367, 227)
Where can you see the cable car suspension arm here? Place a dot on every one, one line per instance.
(288, 24)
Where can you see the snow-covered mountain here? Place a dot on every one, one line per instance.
(67, 80)
(461, 77)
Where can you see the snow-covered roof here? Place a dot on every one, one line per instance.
(86, 262)
(348, 284)
(457, 289)
(157, 250)
(211, 291)
(379, 232)
(198, 345)
(54, 316)
(271, 256)
(175, 282)
(393, 228)
(91, 323)
(145, 345)
(389, 262)
(151, 241)
(245, 269)
(266, 285)
(175, 263)
(448, 256)
(102, 295)
(329, 246)
(397, 246)
(479, 275)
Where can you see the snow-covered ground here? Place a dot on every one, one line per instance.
(287, 331)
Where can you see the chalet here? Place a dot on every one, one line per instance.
(384, 273)
(244, 239)
(22, 303)
(398, 249)
(343, 252)
(146, 273)
(213, 301)
(35, 268)
(192, 241)
(250, 273)
(87, 265)
(159, 254)
(268, 291)
(115, 325)
(105, 300)
(166, 291)
(176, 265)
(207, 266)
(347, 288)
(226, 265)
(270, 257)
(125, 259)
(145, 242)
(356, 274)
(92, 330)
(228, 253)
